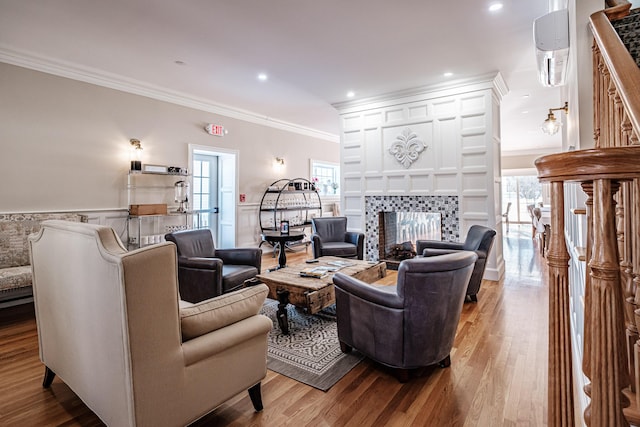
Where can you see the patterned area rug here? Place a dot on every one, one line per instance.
(311, 352)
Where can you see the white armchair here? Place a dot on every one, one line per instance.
(111, 326)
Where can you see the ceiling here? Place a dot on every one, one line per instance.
(313, 52)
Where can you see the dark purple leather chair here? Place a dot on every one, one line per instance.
(205, 272)
(412, 324)
(331, 238)
(479, 239)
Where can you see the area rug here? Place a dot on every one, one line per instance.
(311, 352)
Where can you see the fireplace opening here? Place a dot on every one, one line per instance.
(398, 232)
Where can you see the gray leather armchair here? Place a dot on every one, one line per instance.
(479, 239)
(205, 272)
(412, 324)
(331, 238)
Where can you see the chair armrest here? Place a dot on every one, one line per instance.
(357, 239)
(383, 296)
(353, 237)
(437, 244)
(241, 256)
(316, 243)
(200, 263)
(218, 312)
(427, 252)
(220, 340)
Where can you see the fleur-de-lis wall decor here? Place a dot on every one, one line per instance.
(407, 147)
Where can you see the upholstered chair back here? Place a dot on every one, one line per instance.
(412, 324)
(433, 292)
(331, 229)
(194, 243)
(479, 239)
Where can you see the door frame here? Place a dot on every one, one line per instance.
(226, 153)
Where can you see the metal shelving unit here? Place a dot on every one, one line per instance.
(294, 200)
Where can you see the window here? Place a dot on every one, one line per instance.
(520, 191)
(326, 177)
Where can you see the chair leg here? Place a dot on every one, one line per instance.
(49, 375)
(446, 362)
(473, 298)
(256, 397)
(345, 348)
(402, 374)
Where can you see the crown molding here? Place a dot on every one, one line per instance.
(114, 81)
(492, 81)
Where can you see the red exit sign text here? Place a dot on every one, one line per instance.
(215, 130)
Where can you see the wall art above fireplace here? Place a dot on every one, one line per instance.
(407, 147)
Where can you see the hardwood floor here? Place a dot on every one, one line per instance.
(498, 373)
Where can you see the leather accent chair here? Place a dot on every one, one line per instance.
(479, 239)
(331, 238)
(412, 324)
(205, 272)
(112, 327)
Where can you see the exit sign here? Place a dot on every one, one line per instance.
(215, 130)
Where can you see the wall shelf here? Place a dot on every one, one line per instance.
(154, 188)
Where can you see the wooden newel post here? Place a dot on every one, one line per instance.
(560, 398)
(605, 348)
(609, 374)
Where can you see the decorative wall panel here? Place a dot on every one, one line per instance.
(418, 112)
(456, 126)
(473, 103)
(395, 115)
(373, 153)
(446, 183)
(474, 140)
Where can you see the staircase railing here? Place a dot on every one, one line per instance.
(610, 177)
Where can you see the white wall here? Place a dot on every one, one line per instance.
(64, 146)
(460, 126)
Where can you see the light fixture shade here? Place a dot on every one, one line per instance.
(136, 155)
(551, 126)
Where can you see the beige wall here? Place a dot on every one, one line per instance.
(65, 144)
(519, 162)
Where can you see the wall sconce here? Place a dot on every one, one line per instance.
(136, 155)
(278, 164)
(551, 126)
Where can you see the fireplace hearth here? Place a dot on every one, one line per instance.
(398, 232)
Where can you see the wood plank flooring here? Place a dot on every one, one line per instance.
(498, 374)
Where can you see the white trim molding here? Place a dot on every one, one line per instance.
(137, 87)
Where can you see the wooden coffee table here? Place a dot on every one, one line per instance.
(312, 294)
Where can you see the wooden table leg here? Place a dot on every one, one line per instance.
(283, 318)
(282, 256)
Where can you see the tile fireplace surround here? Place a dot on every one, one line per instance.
(446, 205)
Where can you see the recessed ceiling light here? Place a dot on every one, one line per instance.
(494, 7)
(262, 77)
(448, 74)
(526, 95)
(525, 112)
(351, 94)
